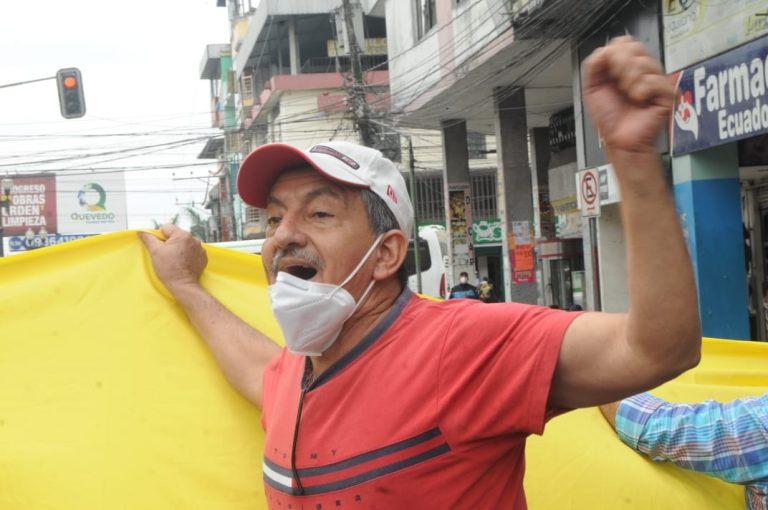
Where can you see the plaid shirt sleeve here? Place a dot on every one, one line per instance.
(728, 441)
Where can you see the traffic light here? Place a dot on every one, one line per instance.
(71, 98)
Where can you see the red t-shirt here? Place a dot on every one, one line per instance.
(430, 410)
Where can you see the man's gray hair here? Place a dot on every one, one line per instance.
(380, 220)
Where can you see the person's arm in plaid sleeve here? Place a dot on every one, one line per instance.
(725, 440)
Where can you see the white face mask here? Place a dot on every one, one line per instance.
(311, 314)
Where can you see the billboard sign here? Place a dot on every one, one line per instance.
(32, 242)
(722, 100)
(697, 30)
(32, 205)
(488, 231)
(91, 203)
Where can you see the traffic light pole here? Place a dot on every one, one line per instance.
(25, 82)
(70, 87)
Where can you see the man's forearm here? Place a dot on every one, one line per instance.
(663, 323)
(241, 351)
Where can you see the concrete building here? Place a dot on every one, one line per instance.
(504, 70)
(513, 70)
(715, 156)
(488, 93)
(285, 77)
(718, 56)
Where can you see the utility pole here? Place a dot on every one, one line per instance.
(357, 90)
(416, 243)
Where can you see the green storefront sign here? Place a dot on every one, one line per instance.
(487, 232)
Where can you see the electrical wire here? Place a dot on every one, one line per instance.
(457, 42)
(294, 120)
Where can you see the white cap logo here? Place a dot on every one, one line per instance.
(324, 149)
(391, 193)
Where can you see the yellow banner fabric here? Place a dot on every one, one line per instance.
(110, 400)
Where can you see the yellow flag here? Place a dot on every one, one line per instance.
(110, 400)
(579, 462)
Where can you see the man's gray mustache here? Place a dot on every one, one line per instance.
(298, 253)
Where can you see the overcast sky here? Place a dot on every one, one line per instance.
(140, 62)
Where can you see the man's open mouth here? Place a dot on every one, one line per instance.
(301, 271)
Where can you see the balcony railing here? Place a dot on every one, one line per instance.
(260, 81)
(342, 64)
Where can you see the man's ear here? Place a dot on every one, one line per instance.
(390, 254)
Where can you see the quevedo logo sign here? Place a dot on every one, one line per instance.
(88, 205)
(93, 200)
(721, 100)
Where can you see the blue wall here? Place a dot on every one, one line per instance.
(708, 199)
(711, 215)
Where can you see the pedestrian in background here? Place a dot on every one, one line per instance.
(464, 289)
(486, 291)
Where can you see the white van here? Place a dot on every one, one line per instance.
(432, 258)
(252, 246)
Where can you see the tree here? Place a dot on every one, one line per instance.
(199, 224)
(172, 221)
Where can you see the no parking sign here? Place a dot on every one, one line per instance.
(589, 192)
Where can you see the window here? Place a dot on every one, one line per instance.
(426, 16)
(484, 196)
(252, 214)
(425, 261)
(246, 88)
(429, 199)
(562, 130)
(241, 7)
(476, 145)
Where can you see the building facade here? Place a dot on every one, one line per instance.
(480, 105)
(717, 54)
(506, 70)
(286, 76)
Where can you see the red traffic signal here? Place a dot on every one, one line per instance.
(71, 98)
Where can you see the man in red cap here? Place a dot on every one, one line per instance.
(382, 399)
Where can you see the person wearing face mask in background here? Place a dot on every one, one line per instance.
(485, 291)
(384, 399)
(463, 289)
